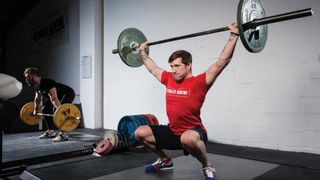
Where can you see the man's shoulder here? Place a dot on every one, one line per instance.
(47, 80)
(201, 75)
(48, 83)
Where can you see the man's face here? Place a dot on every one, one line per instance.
(180, 70)
(30, 79)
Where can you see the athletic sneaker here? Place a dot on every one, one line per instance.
(209, 173)
(159, 165)
(63, 136)
(48, 134)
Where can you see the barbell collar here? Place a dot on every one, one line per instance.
(277, 18)
(115, 51)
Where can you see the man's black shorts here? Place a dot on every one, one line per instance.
(166, 139)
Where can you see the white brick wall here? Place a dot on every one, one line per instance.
(269, 100)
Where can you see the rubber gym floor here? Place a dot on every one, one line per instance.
(74, 159)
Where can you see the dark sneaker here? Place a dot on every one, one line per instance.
(63, 136)
(48, 134)
(209, 173)
(159, 165)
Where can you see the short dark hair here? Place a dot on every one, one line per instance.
(31, 70)
(185, 56)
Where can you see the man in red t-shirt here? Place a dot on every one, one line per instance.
(185, 95)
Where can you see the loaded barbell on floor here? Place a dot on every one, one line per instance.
(66, 117)
(252, 24)
(123, 138)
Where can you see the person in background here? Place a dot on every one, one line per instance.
(55, 94)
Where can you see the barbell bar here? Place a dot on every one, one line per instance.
(42, 114)
(51, 115)
(252, 23)
(66, 117)
(248, 25)
(136, 46)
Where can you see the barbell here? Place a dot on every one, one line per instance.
(252, 24)
(66, 117)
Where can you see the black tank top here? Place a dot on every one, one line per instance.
(47, 84)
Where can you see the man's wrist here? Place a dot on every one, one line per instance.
(233, 33)
(142, 51)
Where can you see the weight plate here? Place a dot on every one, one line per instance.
(126, 140)
(122, 126)
(127, 39)
(26, 114)
(104, 147)
(138, 120)
(122, 143)
(111, 135)
(67, 117)
(127, 126)
(254, 40)
(152, 119)
(143, 120)
(133, 125)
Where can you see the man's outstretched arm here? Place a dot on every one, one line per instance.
(215, 69)
(152, 67)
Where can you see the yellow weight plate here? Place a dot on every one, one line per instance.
(67, 117)
(26, 114)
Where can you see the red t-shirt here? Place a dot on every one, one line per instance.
(184, 101)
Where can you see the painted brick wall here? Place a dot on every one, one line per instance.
(269, 100)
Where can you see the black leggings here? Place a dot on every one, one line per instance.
(50, 109)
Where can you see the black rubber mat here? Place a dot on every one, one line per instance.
(130, 165)
(188, 168)
(97, 167)
(28, 149)
(17, 146)
(290, 173)
(303, 160)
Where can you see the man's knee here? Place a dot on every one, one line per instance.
(142, 132)
(190, 139)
